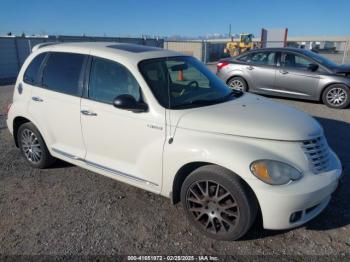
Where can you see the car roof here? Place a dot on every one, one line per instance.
(131, 52)
(292, 49)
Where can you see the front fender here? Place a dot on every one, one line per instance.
(327, 81)
(232, 152)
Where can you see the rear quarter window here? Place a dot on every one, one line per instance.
(62, 73)
(243, 58)
(31, 75)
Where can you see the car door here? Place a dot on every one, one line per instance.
(55, 103)
(294, 78)
(126, 145)
(261, 68)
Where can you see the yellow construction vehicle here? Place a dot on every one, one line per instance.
(244, 44)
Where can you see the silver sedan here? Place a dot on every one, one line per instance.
(288, 72)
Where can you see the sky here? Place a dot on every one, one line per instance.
(176, 17)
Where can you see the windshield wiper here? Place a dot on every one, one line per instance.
(204, 102)
(199, 102)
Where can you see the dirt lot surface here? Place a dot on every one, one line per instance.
(68, 210)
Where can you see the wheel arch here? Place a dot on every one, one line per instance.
(328, 85)
(238, 75)
(17, 122)
(187, 169)
(180, 177)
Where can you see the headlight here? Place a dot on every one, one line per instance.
(274, 172)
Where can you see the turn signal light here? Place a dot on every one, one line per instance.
(261, 171)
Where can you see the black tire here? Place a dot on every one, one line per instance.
(226, 223)
(238, 83)
(42, 157)
(336, 91)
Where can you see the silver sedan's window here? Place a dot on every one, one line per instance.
(294, 61)
(263, 58)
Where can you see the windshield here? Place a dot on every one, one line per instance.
(184, 82)
(321, 59)
(246, 38)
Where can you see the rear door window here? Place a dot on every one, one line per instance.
(63, 72)
(263, 58)
(243, 58)
(31, 75)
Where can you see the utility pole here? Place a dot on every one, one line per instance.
(229, 31)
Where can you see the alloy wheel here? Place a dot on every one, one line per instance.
(31, 146)
(237, 85)
(212, 206)
(336, 96)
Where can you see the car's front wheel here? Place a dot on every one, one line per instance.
(33, 147)
(336, 96)
(218, 203)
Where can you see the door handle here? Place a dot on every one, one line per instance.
(284, 72)
(88, 113)
(37, 99)
(250, 68)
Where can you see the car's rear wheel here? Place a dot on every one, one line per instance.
(218, 203)
(33, 147)
(336, 96)
(238, 83)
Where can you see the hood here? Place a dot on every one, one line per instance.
(342, 69)
(252, 116)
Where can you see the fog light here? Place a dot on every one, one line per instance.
(295, 216)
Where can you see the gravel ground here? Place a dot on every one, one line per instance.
(67, 210)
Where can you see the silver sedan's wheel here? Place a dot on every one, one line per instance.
(212, 206)
(237, 83)
(336, 96)
(31, 146)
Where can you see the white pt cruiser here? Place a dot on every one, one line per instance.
(161, 121)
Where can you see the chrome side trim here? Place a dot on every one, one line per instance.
(67, 155)
(107, 169)
(284, 91)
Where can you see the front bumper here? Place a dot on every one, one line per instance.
(292, 205)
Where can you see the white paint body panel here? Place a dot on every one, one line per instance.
(231, 134)
(121, 140)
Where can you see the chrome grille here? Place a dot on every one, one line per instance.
(317, 152)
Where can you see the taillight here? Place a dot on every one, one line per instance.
(8, 108)
(220, 65)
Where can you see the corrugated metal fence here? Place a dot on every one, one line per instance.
(211, 51)
(202, 50)
(14, 50)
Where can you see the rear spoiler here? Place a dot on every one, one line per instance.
(38, 46)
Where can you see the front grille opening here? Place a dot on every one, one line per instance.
(310, 209)
(295, 217)
(317, 152)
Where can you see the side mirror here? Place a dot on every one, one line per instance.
(312, 67)
(128, 102)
